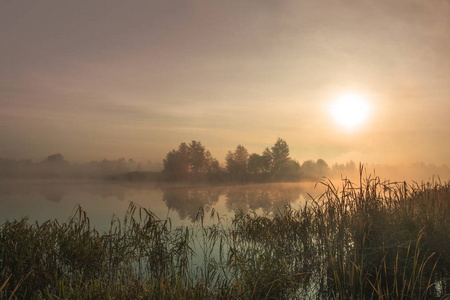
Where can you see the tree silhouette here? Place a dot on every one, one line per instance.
(322, 168)
(255, 163)
(237, 163)
(55, 159)
(191, 161)
(259, 166)
(274, 164)
(176, 167)
(280, 157)
(194, 162)
(314, 170)
(198, 157)
(267, 161)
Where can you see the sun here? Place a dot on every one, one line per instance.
(350, 110)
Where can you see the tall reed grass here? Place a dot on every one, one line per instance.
(372, 240)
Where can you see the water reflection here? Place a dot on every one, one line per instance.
(261, 198)
(267, 198)
(42, 200)
(188, 201)
(45, 200)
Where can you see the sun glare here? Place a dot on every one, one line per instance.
(350, 110)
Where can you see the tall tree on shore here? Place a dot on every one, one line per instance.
(255, 164)
(280, 157)
(314, 170)
(260, 166)
(237, 163)
(200, 158)
(267, 161)
(176, 164)
(188, 161)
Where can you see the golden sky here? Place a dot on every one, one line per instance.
(106, 79)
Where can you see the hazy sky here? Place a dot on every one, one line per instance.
(106, 79)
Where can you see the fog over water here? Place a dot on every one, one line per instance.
(46, 199)
(54, 187)
(42, 200)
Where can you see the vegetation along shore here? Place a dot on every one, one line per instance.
(371, 240)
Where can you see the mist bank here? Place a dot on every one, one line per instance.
(418, 172)
(193, 163)
(128, 170)
(56, 166)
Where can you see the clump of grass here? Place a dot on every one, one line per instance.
(61, 259)
(374, 240)
(382, 239)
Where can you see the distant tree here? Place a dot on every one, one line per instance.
(322, 168)
(132, 165)
(121, 165)
(293, 171)
(267, 161)
(237, 163)
(259, 166)
(346, 169)
(214, 168)
(280, 157)
(189, 161)
(274, 164)
(308, 169)
(314, 170)
(175, 167)
(114, 166)
(198, 157)
(255, 164)
(52, 167)
(55, 159)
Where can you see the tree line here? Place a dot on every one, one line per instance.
(193, 162)
(190, 162)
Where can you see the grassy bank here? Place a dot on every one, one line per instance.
(373, 240)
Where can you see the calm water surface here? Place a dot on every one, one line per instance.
(42, 200)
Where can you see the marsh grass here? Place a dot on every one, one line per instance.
(371, 240)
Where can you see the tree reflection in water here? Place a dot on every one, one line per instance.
(188, 201)
(260, 198)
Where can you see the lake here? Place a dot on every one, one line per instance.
(42, 200)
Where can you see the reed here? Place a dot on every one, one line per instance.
(371, 240)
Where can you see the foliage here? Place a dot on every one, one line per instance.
(55, 159)
(260, 166)
(189, 162)
(237, 164)
(274, 164)
(314, 170)
(280, 157)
